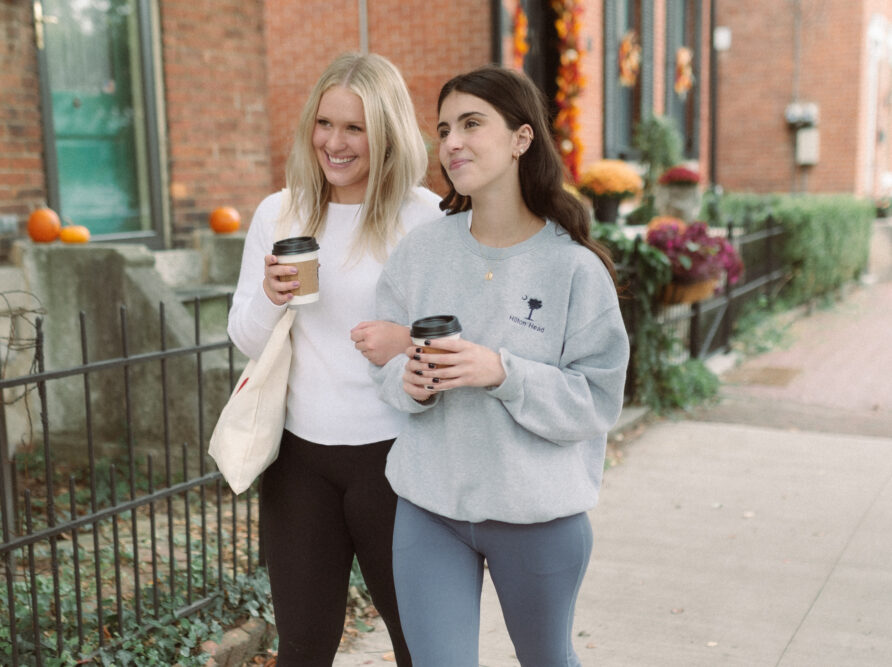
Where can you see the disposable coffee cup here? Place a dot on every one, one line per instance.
(302, 252)
(434, 328)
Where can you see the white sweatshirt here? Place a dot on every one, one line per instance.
(331, 398)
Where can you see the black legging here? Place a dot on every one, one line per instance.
(320, 504)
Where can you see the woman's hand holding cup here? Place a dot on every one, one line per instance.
(279, 280)
(458, 363)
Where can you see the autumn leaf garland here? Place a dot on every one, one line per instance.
(520, 42)
(570, 83)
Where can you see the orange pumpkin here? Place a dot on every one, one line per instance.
(225, 220)
(43, 225)
(74, 234)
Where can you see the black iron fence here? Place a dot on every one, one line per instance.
(103, 539)
(706, 327)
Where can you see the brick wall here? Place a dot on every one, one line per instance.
(22, 182)
(758, 78)
(303, 40)
(591, 121)
(216, 102)
(236, 73)
(833, 39)
(754, 144)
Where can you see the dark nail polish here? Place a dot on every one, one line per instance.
(436, 380)
(418, 373)
(429, 388)
(427, 342)
(418, 350)
(432, 365)
(416, 357)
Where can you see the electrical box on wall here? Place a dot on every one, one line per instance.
(808, 145)
(801, 114)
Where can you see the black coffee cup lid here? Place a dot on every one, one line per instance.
(295, 245)
(435, 326)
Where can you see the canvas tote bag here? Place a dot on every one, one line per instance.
(246, 438)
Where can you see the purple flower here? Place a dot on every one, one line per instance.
(694, 253)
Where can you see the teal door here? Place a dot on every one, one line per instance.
(94, 87)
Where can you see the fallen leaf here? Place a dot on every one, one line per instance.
(389, 657)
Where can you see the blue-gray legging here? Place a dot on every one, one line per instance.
(537, 570)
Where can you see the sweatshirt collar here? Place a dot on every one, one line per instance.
(463, 222)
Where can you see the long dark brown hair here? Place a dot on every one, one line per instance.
(519, 101)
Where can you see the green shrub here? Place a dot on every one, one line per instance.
(828, 242)
(827, 239)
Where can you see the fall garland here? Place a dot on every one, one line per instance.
(569, 83)
(629, 57)
(520, 41)
(684, 71)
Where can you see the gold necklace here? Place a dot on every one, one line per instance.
(489, 273)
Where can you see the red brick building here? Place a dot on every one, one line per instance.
(804, 96)
(138, 117)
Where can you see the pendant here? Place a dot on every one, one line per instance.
(488, 275)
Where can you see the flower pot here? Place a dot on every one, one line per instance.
(606, 208)
(675, 293)
(678, 200)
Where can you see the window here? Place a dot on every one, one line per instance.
(100, 114)
(683, 70)
(628, 72)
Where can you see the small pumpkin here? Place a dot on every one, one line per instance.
(225, 220)
(74, 234)
(44, 225)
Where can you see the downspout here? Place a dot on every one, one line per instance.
(363, 27)
(797, 64)
(495, 11)
(713, 96)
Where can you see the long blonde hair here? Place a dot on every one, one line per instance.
(398, 159)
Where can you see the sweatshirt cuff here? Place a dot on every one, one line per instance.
(512, 387)
(264, 312)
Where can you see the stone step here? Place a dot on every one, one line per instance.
(179, 267)
(213, 303)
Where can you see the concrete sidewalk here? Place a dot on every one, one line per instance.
(720, 544)
(757, 531)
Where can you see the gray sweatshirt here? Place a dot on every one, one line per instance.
(531, 449)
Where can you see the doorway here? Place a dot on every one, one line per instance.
(100, 116)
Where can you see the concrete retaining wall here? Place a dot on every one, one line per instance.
(97, 280)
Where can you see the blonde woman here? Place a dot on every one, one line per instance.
(353, 181)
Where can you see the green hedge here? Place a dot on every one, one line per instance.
(827, 240)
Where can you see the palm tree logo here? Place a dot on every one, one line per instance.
(534, 304)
